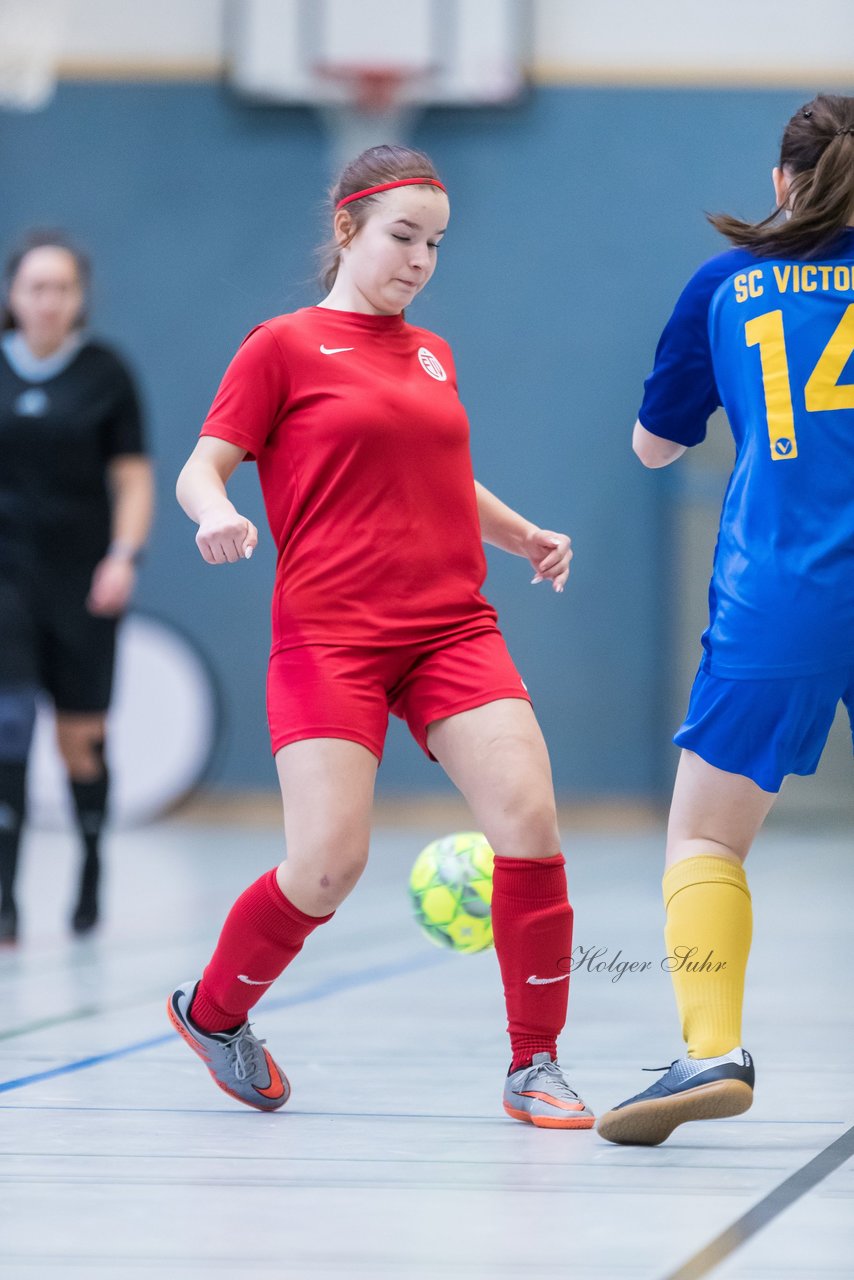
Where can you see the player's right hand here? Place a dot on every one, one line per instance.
(225, 536)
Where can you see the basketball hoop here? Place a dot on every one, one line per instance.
(373, 105)
(31, 34)
(372, 90)
(370, 68)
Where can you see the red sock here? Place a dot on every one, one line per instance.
(261, 935)
(532, 926)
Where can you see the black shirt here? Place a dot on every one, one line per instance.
(57, 438)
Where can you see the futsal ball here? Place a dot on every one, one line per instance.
(451, 891)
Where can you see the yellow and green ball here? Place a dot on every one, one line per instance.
(451, 891)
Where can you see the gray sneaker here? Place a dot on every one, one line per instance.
(691, 1089)
(540, 1095)
(237, 1060)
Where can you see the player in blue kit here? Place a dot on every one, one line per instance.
(767, 331)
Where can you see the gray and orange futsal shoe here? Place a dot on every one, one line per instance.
(690, 1089)
(540, 1095)
(237, 1060)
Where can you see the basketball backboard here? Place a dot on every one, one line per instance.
(448, 52)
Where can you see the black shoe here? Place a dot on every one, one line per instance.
(8, 925)
(692, 1089)
(86, 912)
(85, 918)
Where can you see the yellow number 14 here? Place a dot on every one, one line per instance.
(823, 389)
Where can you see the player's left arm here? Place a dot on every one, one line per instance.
(654, 451)
(131, 484)
(682, 391)
(548, 552)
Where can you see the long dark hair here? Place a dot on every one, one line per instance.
(41, 239)
(817, 153)
(372, 168)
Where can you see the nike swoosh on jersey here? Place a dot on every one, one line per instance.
(542, 982)
(254, 982)
(333, 351)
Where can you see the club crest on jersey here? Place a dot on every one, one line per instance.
(431, 365)
(32, 403)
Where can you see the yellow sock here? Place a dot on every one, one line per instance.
(707, 934)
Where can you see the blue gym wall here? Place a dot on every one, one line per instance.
(577, 216)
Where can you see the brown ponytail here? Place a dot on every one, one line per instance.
(817, 154)
(370, 169)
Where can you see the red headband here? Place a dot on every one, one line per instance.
(387, 186)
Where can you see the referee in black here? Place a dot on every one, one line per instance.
(76, 500)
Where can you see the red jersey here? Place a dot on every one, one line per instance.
(362, 447)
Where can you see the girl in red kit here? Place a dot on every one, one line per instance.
(353, 417)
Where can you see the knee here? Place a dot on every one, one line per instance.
(681, 849)
(338, 879)
(82, 752)
(319, 882)
(518, 803)
(526, 827)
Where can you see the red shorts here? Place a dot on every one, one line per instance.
(339, 691)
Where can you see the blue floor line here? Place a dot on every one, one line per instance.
(330, 987)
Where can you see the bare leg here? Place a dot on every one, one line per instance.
(327, 793)
(80, 739)
(327, 786)
(497, 757)
(713, 812)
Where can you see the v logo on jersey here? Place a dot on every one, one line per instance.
(543, 982)
(333, 351)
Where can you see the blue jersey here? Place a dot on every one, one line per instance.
(771, 340)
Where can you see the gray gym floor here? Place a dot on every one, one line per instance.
(394, 1157)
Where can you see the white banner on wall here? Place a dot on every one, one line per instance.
(609, 41)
